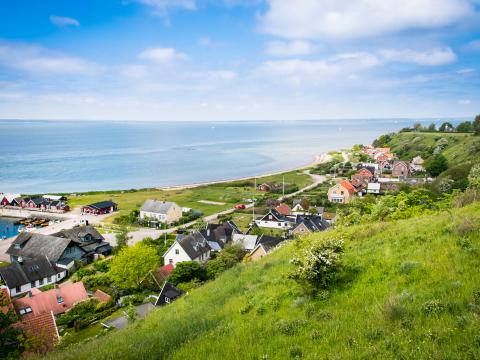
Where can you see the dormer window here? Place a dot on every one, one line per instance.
(59, 299)
(167, 300)
(25, 311)
(18, 246)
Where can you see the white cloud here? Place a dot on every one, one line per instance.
(162, 55)
(161, 7)
(333, 19)
(473, 45)
(433, 57)
(464, 102)
(41, 61)
(63, 21)
(291, 48)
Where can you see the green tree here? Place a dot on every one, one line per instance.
(187, 271)
(11, 345)
(446, 126)
(465, 126)
(432, 127)
(474, 177)
(222, 262)
(132, 265)
(437, 165)
(122, 237)
(476, 125)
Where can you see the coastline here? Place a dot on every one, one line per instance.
(318, 159)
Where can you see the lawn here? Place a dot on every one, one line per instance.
(229, 193)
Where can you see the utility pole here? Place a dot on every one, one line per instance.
(253, 198)
(283, 186)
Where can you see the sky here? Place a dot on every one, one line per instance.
(171, 60)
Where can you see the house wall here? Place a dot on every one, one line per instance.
(151, 215)
(46, 281)
(272, 224)
(171, 257)
(300, 230)
(257, 254)
(174, 213)
(335, 195)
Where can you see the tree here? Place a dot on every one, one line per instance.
(432, 127)
(122, 237)
(474, 177)
(10, 336)
(132, 265)
(187, 271)
(417, 126)
(476, 125)
(465, 126)
(200, 224)
(222, 262)
(437, 165)
(446, 126)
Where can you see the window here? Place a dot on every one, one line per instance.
(18, 289)
(40, 282)
(59, 299)
(26, 310)
(170, 261)
(32, 284)
(167, 300)
(177, 252)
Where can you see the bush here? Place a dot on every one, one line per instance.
(97, 280)
(319, 265)
(394, 307)
(437, 165)
(187, 271)
(433, 307)
(289, 327)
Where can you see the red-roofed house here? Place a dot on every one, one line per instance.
(284, 209)
(365, 173)
(341, 193)
(56, 300)
(102, 296)
(41, 333)
(401, 169)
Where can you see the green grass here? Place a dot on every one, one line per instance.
(229, 193)
(4, 263)
(409, 291)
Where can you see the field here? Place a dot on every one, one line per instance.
(409, 289)
(229, 193)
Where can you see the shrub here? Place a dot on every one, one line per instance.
(319, 265)
(407, 267)
(464, 226)
(187, 271)
(394, 308)
(296, 352)
(433, 307)
(289, 327)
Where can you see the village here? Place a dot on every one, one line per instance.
(55, 274)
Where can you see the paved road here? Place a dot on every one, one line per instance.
(138, 235)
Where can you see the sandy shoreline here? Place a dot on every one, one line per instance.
(318, 159)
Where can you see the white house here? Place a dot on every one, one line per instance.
(248, 242)
(373, 188)
(193, 247)
(275, 220)
(161, 211)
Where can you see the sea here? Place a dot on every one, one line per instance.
(39, 157)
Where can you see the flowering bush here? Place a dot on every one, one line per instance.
(319, 264)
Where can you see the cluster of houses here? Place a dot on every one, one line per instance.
(375, 177)
(49, 203)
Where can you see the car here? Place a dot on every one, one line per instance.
(240, 206)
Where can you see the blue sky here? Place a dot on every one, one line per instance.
(239, 60)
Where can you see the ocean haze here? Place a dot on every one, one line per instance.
(66, 156)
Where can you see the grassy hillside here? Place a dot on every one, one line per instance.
(457, 147)
(410, 289)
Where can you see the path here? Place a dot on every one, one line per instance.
(138, 235)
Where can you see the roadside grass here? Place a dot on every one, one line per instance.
(409, 289)
(229, 193)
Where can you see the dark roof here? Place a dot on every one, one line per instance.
(78, 233)
(269, 242)
(194, 245)
(38, 201)
(313, 223)
(277, 216)
(30, 270)
(169, 291)
(34, 245)
(102, 205)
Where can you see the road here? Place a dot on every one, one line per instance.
(138, 235)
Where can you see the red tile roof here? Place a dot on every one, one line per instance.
(284, 209)
(48, 301)
(348, 186)
(102, 296)
(41, 330)
(364, 172)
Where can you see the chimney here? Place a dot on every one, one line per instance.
(20, 260)
(208, 232)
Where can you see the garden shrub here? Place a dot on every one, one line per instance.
(290, 327)
(433, 307)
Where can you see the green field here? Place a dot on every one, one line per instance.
(410, 289)
(229, 193)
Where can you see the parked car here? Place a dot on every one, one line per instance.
(240, 206)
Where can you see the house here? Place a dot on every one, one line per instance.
(6, 199)
(300, 207)
(63, 252)
(40, 331)
(55, 197)
(264, 245)
(164, 212)
(341, 193)
(218, 235)
(168, 294)
(417, 164)
(284, 209)
(373, 188)
(35, 203)
(100, 208)
(264, 187)
(192, 247)
(366, 173)
(88, 239)
(56, 301)
(385, 167)
(400, 169)
(275, 220)
(329, 217)
(22, 277)
(162, 273)
(309, 224)
(102, 296)
(359, 182)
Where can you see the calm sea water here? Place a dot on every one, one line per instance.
(53, 156)
(8, 227)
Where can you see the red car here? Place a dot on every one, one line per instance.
(240, 206)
